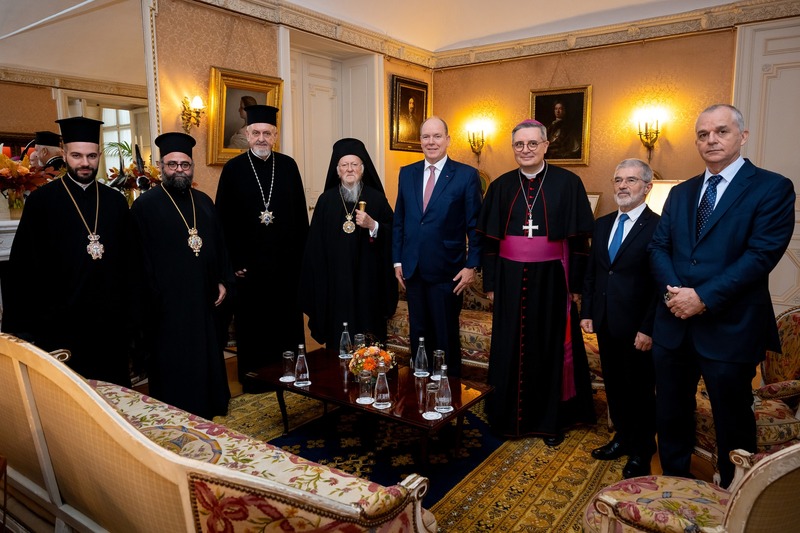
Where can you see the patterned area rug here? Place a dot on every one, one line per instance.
(519, 485)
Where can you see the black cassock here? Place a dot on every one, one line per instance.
(186, 367)
(529, 332)
(267, 311)
(56, 296)
(348, 277)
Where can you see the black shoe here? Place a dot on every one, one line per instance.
(635, 467)
(610, 451)
(554, 440)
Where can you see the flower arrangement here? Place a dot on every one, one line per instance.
(19, 176)
(132, 177)
(368, 357)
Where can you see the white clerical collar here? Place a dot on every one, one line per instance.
(531, 176)
(84, 186)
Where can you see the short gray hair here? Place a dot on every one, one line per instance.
(644, 168)
(530, 124)
(737, 115)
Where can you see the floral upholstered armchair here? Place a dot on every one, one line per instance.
(762, 498)
(775, 402)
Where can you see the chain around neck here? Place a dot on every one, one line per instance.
(524, 194)
(194, 213)
(258, 181)
(97, 209)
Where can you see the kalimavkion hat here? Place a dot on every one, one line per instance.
(175, 141)
(261, 114)
(47, 138)
(80, 129)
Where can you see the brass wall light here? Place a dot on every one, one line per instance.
(192, 112)
(649, 136)
(476, 142)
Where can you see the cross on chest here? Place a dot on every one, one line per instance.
(529, 227)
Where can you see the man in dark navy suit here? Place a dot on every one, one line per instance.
(721, 233)
(435, 248)
(618, 304)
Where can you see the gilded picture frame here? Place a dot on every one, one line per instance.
(566, 113)
(409, 109)
(594, 201)
(229, 91)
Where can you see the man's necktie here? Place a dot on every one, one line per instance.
(616, 241)
(706, 206)
(426, 197)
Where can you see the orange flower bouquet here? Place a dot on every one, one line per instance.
(368, 357)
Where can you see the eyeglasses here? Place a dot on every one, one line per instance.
(349, 165)
(532, 145)
(173, 165)
(627, 181)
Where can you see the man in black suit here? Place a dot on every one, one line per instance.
(619, 302)
(721, 233)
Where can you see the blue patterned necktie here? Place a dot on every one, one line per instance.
(616, 241)
(706, 206)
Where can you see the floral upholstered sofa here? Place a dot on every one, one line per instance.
(475, 324)
(100, 457)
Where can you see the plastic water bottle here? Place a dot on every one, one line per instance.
(444, 396)
(302, 378)
(382, 398)
(421, 361)
(345, 345)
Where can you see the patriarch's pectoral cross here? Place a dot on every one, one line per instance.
(529, 227)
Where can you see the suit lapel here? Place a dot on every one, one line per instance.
(417, 181)
(735, 189)
(445, 177)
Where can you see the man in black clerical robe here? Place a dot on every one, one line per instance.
(184, 281)
(537, 220)
(262, 207)
(347, 268)
(59, 293)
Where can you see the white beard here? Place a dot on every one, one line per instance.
(350, 195)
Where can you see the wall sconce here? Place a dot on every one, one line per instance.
(649, 136)
(192, 112)
(476, 143)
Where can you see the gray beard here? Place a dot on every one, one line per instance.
(350, 195)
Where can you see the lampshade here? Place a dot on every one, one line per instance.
(658, 194)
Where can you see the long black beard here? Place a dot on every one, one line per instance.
(177, 183)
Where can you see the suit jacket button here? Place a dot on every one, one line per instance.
(694, 262)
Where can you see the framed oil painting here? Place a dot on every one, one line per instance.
(566, 112)
(409, 109)
(231, 92)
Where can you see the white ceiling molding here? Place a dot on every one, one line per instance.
(713, 18)
(57, 81)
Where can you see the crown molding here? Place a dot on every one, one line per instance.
(701, 20)
(58, 81)
(716, 18)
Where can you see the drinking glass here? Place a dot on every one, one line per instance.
(438, 361)
(430, 402)
(288, 367)
(359, 340)
(365, 388)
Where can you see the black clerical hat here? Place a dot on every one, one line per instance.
(355, 147)
(261, 114)
(47, 138)
(175, 141)
(80, 129)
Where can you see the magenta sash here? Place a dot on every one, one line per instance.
(537, 250)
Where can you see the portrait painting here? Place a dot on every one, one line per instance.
(232, 91)
(409, 109)
(566, 113)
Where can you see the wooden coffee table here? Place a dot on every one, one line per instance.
(332, 382)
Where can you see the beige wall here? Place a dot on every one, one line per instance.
(27, 109)
(192, 38)
(683, 74)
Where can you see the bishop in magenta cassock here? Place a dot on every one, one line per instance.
(536, 221)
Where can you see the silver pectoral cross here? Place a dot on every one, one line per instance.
(529, 227)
